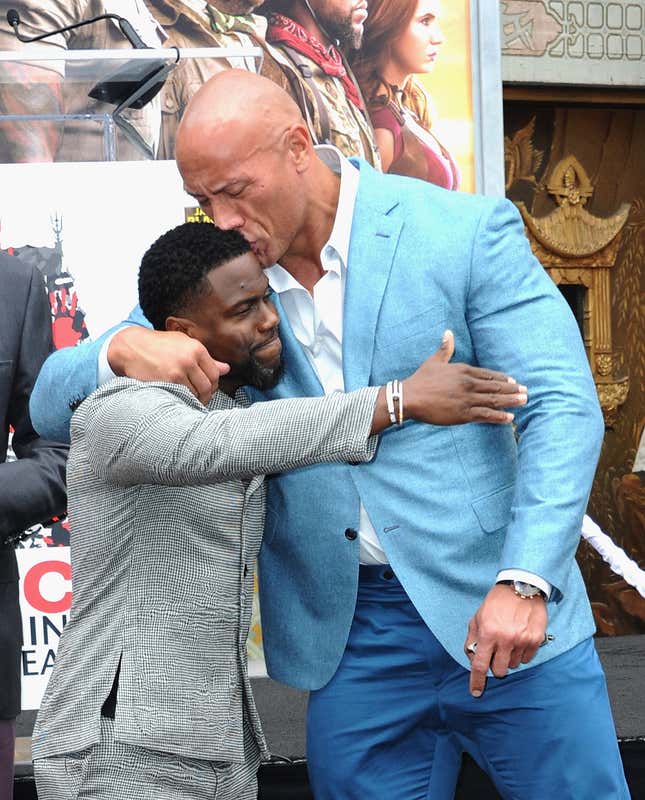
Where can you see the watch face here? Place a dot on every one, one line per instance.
(525, 589)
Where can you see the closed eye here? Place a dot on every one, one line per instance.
(235, 190)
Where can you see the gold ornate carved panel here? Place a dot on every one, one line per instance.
(577, 173)
(578, 248)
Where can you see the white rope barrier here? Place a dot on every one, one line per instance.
(618, 560)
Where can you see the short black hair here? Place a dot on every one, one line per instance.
(173, 271)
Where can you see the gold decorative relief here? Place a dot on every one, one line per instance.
(612, 395)
(577, 248)
(570, 230)
(521, 158)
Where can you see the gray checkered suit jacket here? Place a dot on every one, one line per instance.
(166, 503)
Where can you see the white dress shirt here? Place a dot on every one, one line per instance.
(317, 322)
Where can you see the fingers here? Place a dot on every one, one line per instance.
(479, 664)
(498, 387)
(508, 630)
(482, 414)
(479, 656)
(199, 384)
(203, 376)
(447, 347)
(488, 397)
(172, 356)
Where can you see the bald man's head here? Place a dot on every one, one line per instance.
(244, 152)
(233, 105)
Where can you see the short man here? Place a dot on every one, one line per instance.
(465, 536)
(150, 692)
(42, 88)
(32, 488)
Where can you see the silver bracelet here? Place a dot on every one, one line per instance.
(389, 398)
(394, 395)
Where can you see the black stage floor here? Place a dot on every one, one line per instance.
(283, 709)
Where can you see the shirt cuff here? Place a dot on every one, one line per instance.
(104, 371)
(527, 577)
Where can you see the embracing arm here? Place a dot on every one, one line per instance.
(159, 433)
(130, 349)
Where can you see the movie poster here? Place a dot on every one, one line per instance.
(450, 86)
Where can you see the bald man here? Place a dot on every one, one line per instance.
(410, 595)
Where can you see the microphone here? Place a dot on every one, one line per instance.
(13, 18)
(132, 85)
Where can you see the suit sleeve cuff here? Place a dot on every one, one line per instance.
(527, 577)
(104, 371)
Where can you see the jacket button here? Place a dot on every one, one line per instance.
(351, 534)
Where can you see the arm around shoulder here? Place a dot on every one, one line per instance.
(67, 377)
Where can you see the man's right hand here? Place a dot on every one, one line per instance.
(147, 355)
(442, 393)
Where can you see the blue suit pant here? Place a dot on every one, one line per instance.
(394, 720)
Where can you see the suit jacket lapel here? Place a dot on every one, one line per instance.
(374, 239)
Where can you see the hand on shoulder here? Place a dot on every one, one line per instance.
(149, 355)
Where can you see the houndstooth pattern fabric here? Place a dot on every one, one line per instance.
(110, 770)
(166, 502)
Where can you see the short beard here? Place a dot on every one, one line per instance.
(341, 28)
(260, 377)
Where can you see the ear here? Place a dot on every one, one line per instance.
(300, 145)
(182, 325)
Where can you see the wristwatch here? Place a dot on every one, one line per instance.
(525, 590)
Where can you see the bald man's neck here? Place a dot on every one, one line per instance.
(302, 259)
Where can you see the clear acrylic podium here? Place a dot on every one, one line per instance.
(93, 105)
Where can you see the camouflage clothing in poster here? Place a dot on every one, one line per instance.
(330, 113)
(38, 89)
(195, 23)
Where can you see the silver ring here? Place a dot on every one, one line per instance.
(471, 648)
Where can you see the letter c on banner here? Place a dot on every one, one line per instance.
(32, 587)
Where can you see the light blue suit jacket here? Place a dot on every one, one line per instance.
(451, 505)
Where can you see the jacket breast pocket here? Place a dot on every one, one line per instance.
(403, 346)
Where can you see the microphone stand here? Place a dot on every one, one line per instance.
(131, 86)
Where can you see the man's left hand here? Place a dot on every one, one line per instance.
(508, 630)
